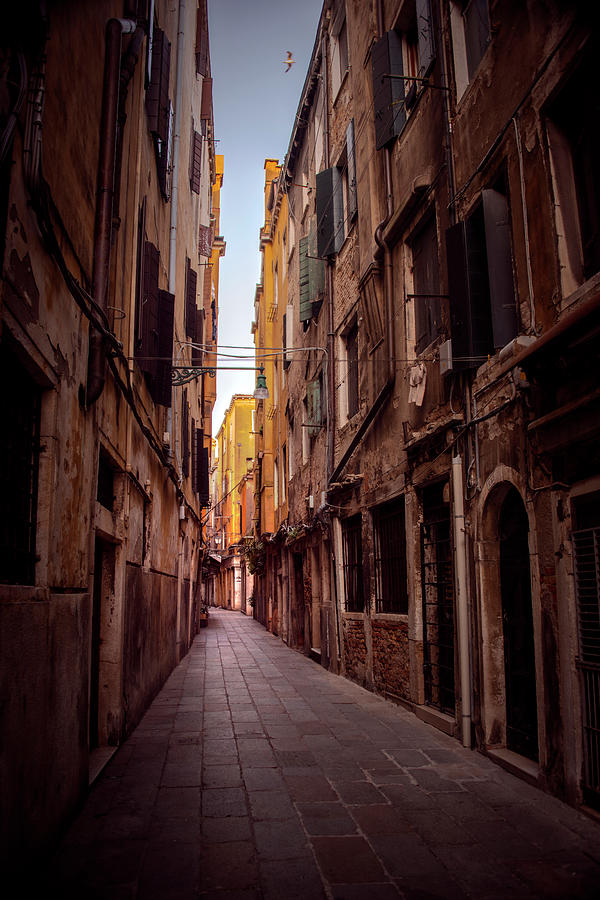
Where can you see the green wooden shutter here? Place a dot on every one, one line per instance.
(316, 270)
(305, 298)
(350, 155)
(330, 212)
(313, 404)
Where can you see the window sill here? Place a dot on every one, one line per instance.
(398, 618)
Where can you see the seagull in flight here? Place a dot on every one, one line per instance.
(289, 62)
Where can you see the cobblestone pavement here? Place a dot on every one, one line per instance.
(257, 774)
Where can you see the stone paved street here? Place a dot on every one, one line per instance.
(256, 773)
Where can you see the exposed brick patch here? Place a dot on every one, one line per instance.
(355, 650)
(390, 657)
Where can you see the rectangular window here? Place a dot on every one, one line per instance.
(314, 407)
(406, 52)
(339, 50)
(389, 534)
(483, 312)
(352, 564)
(331, 230)
(352, 370)
(19, 462)
(191, 287)
(574, 138)
(426, 283)
(470, 27)
(283, 471)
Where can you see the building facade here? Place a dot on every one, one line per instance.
(107, 186)
(232, 479)
(441, 421)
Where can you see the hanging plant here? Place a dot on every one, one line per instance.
(256, 555)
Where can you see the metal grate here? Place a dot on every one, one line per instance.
(437, 587)
(586, 545)
(353, 573)
(19, 457)
(391, 595)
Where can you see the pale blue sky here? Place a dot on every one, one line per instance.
(255, 102)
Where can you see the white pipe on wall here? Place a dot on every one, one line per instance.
(462, 606)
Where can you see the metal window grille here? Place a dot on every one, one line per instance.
(438, 602)
(391, 593)
(19, 458)
(353, 572)
(586, 545)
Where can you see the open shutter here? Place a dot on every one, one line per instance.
(162, 383)
(316, 270)
(185, 435)
(388, 93)
(350, 155)
(202, 469)
(469, 298)
(148, 347)
(195, 161)
(499, 265)
(305, 299)
(330, 212)
(207, 100)
(157, 95)
(313, 403)
(205, 238)
(198, 336)
(425, 36)
(289, 334)
(201, 39)
(194, 456)
(191, 285)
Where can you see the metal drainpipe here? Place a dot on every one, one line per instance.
(330, 380)
(462, 601)
(115, 28)
(172, 411)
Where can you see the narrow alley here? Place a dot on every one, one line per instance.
(256, 773)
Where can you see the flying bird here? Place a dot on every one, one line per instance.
(289, 62)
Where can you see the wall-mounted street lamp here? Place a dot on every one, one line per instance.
(261, 392)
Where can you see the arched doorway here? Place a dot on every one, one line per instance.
(517, 617)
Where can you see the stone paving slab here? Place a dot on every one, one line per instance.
(257, 774)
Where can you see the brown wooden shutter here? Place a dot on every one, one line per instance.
(185, 435)
(198, 336)
(330, 212)
(148, 345)
(388, 93)
(162, 388)
(205, 238)
(157, 95)
(207, 100)
(194, 456)
(191, 286)
(203, 491)
(195, 161)
(201, 39)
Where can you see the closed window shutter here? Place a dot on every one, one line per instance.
(185, 436)
(206, 102)
(202, 469)
(157, 95)
(499, 258)
(330, 212)
(201, 39)
(198, 336)
(305, 299)
(388, 93)
(350, 154)
(162, 388)
(425, 37)
(191, 286)
(148, 346)
(194, 456)
(195, 161)
(313, 403)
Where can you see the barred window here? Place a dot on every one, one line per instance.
(352, 563)
(389, 533)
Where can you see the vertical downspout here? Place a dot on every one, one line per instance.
(115, 28)
(462, 605)
(458, 478)
(172, 411)
(330, 380)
